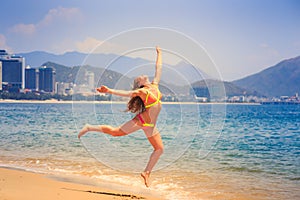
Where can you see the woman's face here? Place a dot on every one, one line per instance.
(142, 80)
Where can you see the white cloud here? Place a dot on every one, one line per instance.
(26, 29)
(60, 14)
(3, 44)
(54, 16)
(93, 45)
(88, 44)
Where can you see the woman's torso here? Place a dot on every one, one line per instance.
(152, 103)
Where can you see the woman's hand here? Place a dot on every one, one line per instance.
(158, 50)
(103, 89)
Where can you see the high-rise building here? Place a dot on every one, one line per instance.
(46, 79)
(90, 80)
(3, 53)
(30, 78)
(13, 70)
(63, 88)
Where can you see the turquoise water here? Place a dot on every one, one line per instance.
(211, 151)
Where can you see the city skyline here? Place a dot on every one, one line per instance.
(17, 79)
(242, 37)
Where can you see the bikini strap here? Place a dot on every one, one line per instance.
(156, 97)
(148, 125)
(147, 96)
(143, 122)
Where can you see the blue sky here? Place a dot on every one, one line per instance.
(242, 36)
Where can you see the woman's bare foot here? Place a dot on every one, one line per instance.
(145, 176)
(83, 131)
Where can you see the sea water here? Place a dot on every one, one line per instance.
(211, 151)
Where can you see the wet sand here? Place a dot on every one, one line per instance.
(22, 185)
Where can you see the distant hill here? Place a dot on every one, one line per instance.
(279, 80)
(76, 75)
(204, 88)
(180, 74)
(109, 78)
(37, 58)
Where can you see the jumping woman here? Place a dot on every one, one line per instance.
(145, 103)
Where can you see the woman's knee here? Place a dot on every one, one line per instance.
(115, 132)
(159, 150)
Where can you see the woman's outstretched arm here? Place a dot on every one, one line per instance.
(122, 93)
(158, 66)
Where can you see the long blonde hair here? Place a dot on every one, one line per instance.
(136, 104)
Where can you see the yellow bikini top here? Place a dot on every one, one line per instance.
(151, 98)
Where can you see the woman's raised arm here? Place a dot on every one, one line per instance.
(158, 66)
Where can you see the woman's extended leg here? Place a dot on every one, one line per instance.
(158, 146)
(122, 130)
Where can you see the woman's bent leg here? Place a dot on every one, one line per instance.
(158, 146)
(125, 129)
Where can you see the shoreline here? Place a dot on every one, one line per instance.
(20, 184)
(54, 101)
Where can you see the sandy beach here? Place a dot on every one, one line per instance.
(22, 185)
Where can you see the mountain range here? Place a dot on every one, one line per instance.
(77, 75)
(278, 80)
(112, 79)
(178, 74)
